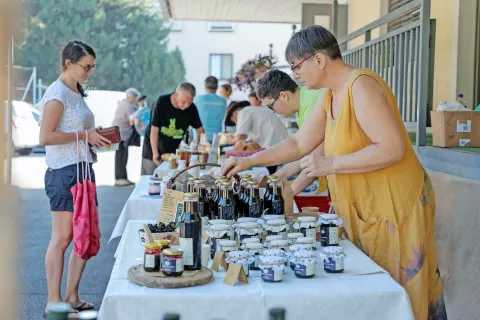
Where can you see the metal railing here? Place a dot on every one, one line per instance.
(400, 57)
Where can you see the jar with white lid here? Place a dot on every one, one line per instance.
(226, 245)
(304, 261)
(249, 240)
(307, 241)
(293, 236)
(240, 257)
(254, 250)
(276, 227)
(269, 239)
(272, 268)
(217, 232)
(307, 226)
(329, 225)
(248, 230)
(333, 259)
(246, 219)
(154, 188)
(297, 247)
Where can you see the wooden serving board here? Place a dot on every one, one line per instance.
(137, 275)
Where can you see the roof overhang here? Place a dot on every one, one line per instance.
(273, 11)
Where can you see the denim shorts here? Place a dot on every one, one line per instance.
(58, 183)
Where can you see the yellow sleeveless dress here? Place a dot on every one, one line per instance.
(388, 214)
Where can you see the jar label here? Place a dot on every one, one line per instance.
(271, 275)
(303, 270)
(186, 244)
(170, 264)
(333, 265)
(149, 261)
(254, 210)
(329, 236)
(310, 232)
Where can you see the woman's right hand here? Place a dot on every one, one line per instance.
(96, 139)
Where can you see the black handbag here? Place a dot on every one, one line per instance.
(134, 139)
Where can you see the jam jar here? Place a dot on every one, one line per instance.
(308, 241)
(333, 259)
(246, 219)
(240, 257)
(296, 247)
(292, 237)
(165, 243)
(307, 226)
(151, 259)
(247, 241)
(226, 245)
(276, 227)
(217, 232)
(254, 250)
(329, 229)
(172, 262)
(304, 263)
(245, 230)
(269, 239)
(272, 268)
(154, 188)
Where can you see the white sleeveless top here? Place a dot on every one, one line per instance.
(76, 117)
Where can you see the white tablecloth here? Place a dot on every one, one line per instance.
(142, 206)
(364, 291)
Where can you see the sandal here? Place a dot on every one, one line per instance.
(72, 312)
(85, 306)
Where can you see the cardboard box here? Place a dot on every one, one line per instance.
(151, 237)
(456, 128)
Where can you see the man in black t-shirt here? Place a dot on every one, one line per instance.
(172, 114)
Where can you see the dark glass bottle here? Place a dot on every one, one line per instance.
(241, 205)
(191, 233)
(203, 203)
(275, 202)
(226, 206)
(253, 200)
(264, 201)
(276, 314)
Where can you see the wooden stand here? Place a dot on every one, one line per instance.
(137, 275)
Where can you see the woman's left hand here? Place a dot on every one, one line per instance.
(317, 166)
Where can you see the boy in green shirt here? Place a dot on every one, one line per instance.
(280, 93)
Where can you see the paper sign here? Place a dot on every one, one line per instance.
(170, 207)
(235, 272)
(219, 260)
(464, 126)
(463, 142)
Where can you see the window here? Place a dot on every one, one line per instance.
(221, 66)
(221, 27)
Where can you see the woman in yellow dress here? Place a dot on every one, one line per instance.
(377, 184)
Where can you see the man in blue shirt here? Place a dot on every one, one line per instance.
(211, 108)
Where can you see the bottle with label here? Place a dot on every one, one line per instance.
(267, 192)
(191, 233)
(275, 204)
(203, 204)
(226, 206)
(241, 203)
(461, 100)
(253, 200)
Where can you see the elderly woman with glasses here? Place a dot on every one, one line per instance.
(378, 186)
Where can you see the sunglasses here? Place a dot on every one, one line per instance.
(88, 67)
(296, 66)
(270, 106)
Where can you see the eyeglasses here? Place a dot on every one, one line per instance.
(270, 106)
(88, 67)
(296, 66)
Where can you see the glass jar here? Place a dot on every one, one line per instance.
(333, 259)
(172, 262)
(254, 250)
(226, 245)
(217, 232)
(329, 229)
(164, 243)
(269, 239)
(246, 219)
(292, 237)
(277, 227)
(307, 226)
(151, 258)
(304, 263)
(154, 188)
(272, 268)
(246, 241)
(245, 230)
(239, 257)
(306, 241)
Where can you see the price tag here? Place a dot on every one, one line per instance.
(463, 142)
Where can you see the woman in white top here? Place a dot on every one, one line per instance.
(64, 115)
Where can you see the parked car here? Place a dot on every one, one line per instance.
(25, 129)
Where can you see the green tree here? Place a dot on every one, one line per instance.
(128, 37)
